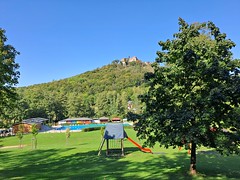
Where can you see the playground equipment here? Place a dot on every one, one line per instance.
(189, 148)
(147, 150)
(114, 135)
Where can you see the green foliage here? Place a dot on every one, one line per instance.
(34, 133)
(68, 134)
(102, 92)
(91, 129)
(102, 131)
(197, 89)
(8, 74)
(20, 134)
(34, 130)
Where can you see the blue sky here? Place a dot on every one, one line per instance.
(58, 39)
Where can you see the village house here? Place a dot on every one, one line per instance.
(26, 125)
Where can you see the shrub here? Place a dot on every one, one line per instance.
(91, 129)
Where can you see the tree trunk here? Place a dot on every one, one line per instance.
(20, 143)
(193, 160)
(35, 143)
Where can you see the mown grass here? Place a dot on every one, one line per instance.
(77, 159)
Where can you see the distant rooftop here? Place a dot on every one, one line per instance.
(37, 120)
(78, 119)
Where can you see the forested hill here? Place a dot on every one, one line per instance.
(106, 91)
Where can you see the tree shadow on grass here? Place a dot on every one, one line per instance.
(61, 164)
(0, 142)
(212, 164)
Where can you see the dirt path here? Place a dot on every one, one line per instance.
(8, 147)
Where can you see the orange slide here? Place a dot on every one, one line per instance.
(147, 150)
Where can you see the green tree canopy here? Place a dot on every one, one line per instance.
(8, 71)
(104, 91)
(193, 93)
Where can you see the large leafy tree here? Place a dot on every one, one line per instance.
(194, 93)
(8, 71)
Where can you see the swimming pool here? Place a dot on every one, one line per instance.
(80, 127)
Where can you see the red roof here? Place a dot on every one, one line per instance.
(116, 119)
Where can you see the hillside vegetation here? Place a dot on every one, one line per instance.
(106, 91)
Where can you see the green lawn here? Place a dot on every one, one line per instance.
(54, 159)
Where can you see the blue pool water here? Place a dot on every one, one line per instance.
(80, 127)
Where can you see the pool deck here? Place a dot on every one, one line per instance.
(59, 131)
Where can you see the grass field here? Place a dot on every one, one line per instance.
(77, 159)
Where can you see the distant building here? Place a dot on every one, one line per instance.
(104, 119)
(82, 120)
(37, 120)
(96, 121)
(125, 61)
(133, 59)
(28, 123)
(116, 119)
(25, 127)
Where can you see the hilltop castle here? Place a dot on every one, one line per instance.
(128, 60)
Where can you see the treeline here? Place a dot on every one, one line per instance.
(108, 91)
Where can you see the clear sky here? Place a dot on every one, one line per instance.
(58, 39)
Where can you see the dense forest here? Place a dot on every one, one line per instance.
(110, 91)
